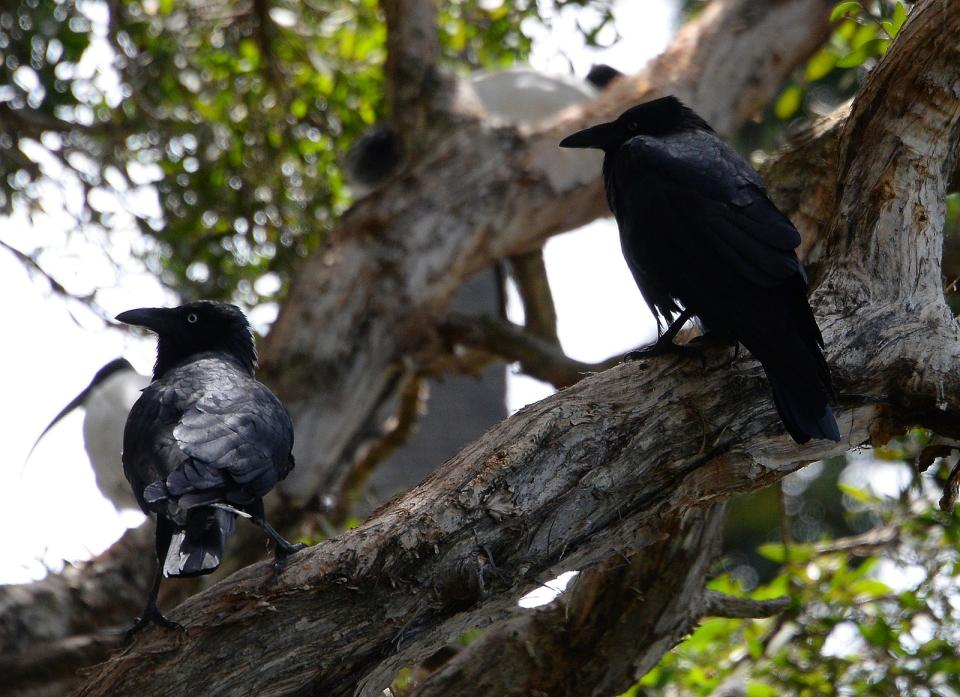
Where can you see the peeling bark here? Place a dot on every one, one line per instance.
(601, 636)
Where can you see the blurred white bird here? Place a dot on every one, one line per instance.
(106, 402)
(518, 96)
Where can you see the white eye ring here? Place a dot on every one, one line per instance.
(192, 318)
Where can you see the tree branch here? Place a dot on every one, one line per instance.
(723, 605)
(599, 637)
(539, 312)
(537, 357)
(419, 96)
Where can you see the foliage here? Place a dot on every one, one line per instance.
(883, 620)
(862, 34)
(236, 114)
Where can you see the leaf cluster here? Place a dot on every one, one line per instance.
(878, 619)
(234, 117)
(862, 33)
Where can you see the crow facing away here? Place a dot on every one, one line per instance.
(702, 239)
(205, 441)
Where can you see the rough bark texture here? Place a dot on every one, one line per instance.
(602, 627)
(614, 463)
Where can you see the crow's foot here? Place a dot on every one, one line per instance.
(152, 615)
(663, 348)
(283, 552)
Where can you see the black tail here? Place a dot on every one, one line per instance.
(804, 410)
(197, 548)
(779, 329)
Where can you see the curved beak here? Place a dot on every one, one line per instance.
(157, 319)
(600, 136)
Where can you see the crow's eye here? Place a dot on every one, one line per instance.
(633, 126)
(192, 318)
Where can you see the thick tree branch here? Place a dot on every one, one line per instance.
(600, 636)
(418, 96)
(599, 468)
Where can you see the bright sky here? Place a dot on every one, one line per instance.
(52, 349)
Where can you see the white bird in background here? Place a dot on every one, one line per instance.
(106, 402)
(518, 96)
(525, 97)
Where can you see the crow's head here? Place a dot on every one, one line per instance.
(658, 117)
(196, 327)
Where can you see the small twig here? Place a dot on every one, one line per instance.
(538, 358)
(539, 312)
(868, 541)
(55, 286)
(402, 427)
(716, 604)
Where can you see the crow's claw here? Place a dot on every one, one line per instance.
(283, 552)
(152, 615)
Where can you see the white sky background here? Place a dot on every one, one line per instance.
(55, 512)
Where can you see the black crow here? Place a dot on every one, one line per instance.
(106, 402)
(703, 239)
(205, 441)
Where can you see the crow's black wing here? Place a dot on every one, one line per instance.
(239, 434)
(206, 431)
(715, 198)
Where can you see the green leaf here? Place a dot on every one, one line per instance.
(821, 63)
(899, 17)
(775, 551)
(864, 34)
(877, 633)
(760, 689)
(845, 9)
(789, 102)
(857, 57)
(870, 587)
(857, 494)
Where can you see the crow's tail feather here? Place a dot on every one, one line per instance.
(804, 409)
(197, 548)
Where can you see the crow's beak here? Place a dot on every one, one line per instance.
(157, 319)
(599, 136)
